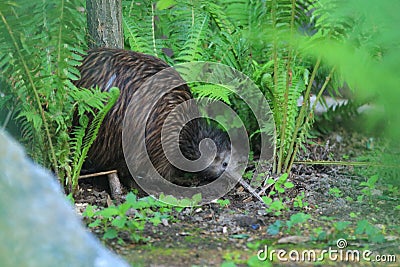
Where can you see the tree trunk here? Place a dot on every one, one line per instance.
(104, 19)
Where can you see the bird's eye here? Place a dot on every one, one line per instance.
(224, 164)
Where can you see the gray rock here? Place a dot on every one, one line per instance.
(38, 227)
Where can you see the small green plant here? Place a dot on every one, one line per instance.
(281, 184)
(297, 219)
(319, 234)
(341, 229)
(84, 135)
(369, 185)
(274, 201)
(346, 157)
(275, 228)
(393, 190)
(223, 202)
(372, 232)
(299, 202)
(232, 258)
(185, 202)
(341, 225)
(275, 206)
(353, 215)
(347, 230)
(336, 192)
(131, 217)
(248, 175)
(228, 263)
(254, 261)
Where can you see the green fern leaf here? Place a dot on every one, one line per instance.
(192, 49)
(213, 91)
(84, 141)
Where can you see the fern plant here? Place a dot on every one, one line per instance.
(38, 57)
(84, 135)
(241, 34)
(41, 43)
(267, 41)
(284, 75)
(179, 32)
(362, 43)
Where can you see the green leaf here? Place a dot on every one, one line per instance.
(340, 226)
(155, 220)
(131, 198)
(119, 222)
(353, 215)
(213, 91)
(267, 200)
(83, 142)
(96, 223)
(109, 212)
(288, 184)
(275, 228)
(164, 4)
(239, 236)
(169, 199)
(223, 202)
(197, 198)
(228, 264)
(110, 234)
(297, 218)
(89, 211)
(283, 177)
(185, 202)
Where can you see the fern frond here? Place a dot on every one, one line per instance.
(139, 30)
(84, 137)
(332, 26)
(78, 134)
(88, 100)
(246, 14)
(213, 91)
(193, 47)
(219, 16)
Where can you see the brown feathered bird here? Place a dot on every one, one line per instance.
(132, 73)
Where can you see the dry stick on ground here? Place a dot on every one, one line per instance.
(250, 189)
(96, 174)
(113, 180)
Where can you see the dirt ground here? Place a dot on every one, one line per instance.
(213, 234)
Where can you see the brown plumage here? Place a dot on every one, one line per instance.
(131, 72)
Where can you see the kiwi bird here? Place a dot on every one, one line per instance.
(129, 71)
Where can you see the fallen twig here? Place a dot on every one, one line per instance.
(251, 190)
(96, 174)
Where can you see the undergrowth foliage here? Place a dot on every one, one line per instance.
(41, 43)
(281, 45)
(244, 35)
(289, 48)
